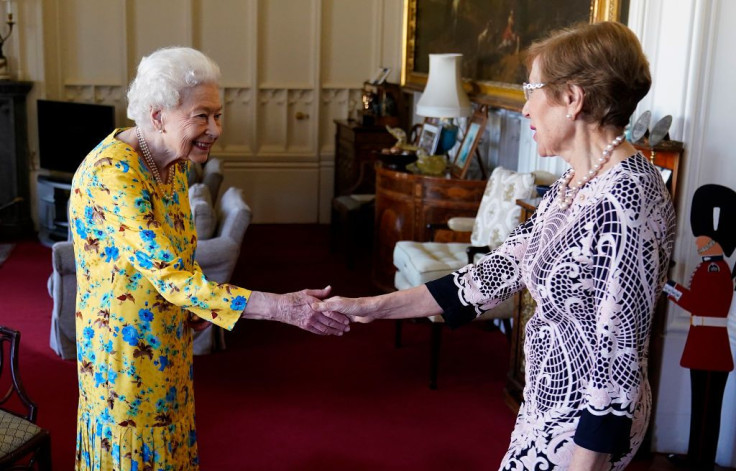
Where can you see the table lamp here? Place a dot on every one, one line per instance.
(444, 97)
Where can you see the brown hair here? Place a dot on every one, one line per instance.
(605, 59)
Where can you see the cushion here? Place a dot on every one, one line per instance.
(420, 262)
(461, 224)
(212, 176)
(14, 432)
(498, 213)
(234, 213)
(232, 200)
(205, 220)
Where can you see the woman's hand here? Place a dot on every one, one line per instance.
(413, 302)
(296, 309)
(362, 310)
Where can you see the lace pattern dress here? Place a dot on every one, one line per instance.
(595, 272)
(137, 282)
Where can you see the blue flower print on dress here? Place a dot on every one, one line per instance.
(123, 165)
(142, 204)
(111, 254)
(130, 335)
(148, 235)
(238, 303)
(80, 228)
(144, 260)
(163, 362)
(146, 315)
(171, 394)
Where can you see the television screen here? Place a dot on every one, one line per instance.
(68, 131)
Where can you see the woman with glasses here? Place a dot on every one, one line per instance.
(594, 257)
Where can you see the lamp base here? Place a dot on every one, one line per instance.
(448, 137)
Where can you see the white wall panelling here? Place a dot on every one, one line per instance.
(289, 68)
(277, 191)
(237, 122)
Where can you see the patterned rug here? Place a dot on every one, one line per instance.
(5, 252)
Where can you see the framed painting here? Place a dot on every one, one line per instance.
(429, 137)
(493, 36)
(473, 133)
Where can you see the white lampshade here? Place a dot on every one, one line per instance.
(444, 96)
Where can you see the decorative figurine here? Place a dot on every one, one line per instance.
(707, 350)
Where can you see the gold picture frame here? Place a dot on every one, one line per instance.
(490, 78)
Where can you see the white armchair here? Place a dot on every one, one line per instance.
(498, 214)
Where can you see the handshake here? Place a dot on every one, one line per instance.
(308, 309)
(315, 311)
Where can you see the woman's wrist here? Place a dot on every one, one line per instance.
(260, 306)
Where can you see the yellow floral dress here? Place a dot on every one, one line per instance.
(137, 283)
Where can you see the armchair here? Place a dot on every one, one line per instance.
(23, 444)
(217, 256)
(420, 262)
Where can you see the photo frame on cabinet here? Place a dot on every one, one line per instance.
(492, 36)
(429, 137)
(473, 134)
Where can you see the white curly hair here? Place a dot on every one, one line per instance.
(162, 76)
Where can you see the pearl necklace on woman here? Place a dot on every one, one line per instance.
(567, 191)
(149, 160)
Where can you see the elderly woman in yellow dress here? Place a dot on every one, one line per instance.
(138, 283)
(594, 257)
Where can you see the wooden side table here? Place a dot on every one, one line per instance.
(406, 204)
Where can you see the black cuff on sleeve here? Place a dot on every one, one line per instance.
(444, 291)
(608, 433)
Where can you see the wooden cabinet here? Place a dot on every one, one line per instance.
(406, 204)
(356, 150)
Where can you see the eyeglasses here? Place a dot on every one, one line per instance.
(529, 89)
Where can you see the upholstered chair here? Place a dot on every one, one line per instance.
(224, 226)
(498, 214)
(209, 174)
(23, 444)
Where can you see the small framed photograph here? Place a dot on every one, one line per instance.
(476, 126)
(429, 137)
(381, 76)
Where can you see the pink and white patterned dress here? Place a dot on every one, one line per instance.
(595, 272)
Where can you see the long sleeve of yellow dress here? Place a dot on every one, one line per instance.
(137, 283)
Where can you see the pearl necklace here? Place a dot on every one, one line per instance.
(567, 191)
(150, 162)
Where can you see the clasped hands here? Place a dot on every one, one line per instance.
(310, 309)
(314, 311)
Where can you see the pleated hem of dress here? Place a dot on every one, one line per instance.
(102, 446)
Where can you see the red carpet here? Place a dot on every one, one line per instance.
(281, 399)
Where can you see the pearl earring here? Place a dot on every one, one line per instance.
(568, 116)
